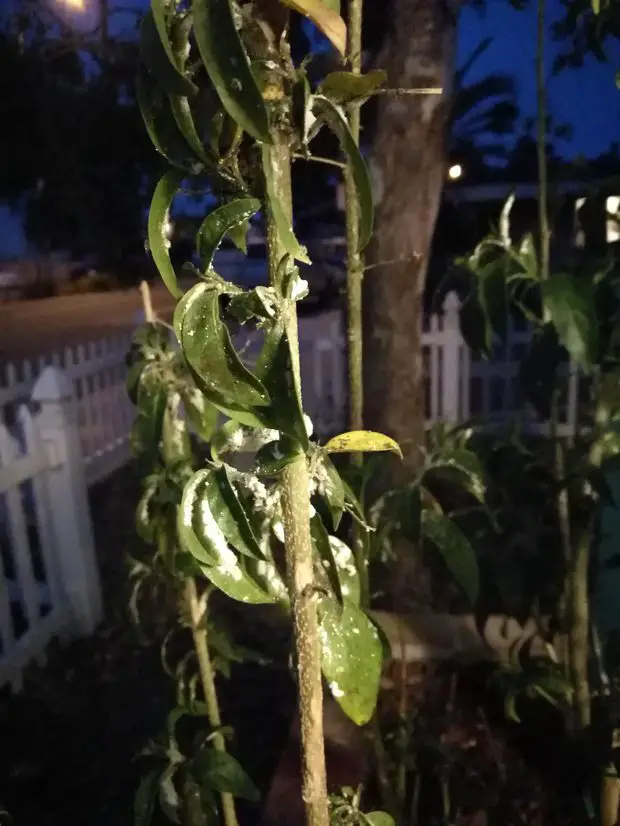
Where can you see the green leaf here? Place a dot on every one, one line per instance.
(344, 87)
(280, 218)
(159, 213)
(145, 799)
(146, 521)
(455, 549)
(379, 819)
(201, 414)
(326, 17)
(258, 303)
(324, 551)
(233, 437)
(197, 529)
(275, 368)
(156, 111)
(336, 119)
(214, 511)
(182, 114)
(220, 771)
(193, 810)
(169, 799)
(493, 301)
(569, 305)
(157, 50)
(351, 657)
(209, 351)
(331, 487)
(147, 426)
(175, 446)
(463, 468)
(362, 441)
(228, 512)
(348, 575)
(272, 458)
(539, 369)
(221, 221)
(228, 67)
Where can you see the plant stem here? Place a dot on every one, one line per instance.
(298, 544)
(355, 276)
(579, 626)
(147, 303)
(207, 678)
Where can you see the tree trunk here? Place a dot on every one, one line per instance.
(408, 167)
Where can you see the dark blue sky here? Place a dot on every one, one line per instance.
(587, 99)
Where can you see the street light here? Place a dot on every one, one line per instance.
(455, 172)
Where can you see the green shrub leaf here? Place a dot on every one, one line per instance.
(569, 305)
(209, 352)
(335, 118)
(455, 550)
(223, 220)
(159, 212)
(351, 657)
(222, 772)
(344, 87)
(162, 46)
(228, 67)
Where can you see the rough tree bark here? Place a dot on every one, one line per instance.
(409, 167)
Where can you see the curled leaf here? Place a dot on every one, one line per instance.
(210, 354)
(325, 18)
(228, 67)
(158, 52)
(223, 220)
(362, 441)
(344, 87)
(159, 212)
(335, 118)
(160, 124)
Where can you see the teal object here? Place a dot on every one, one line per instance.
(606, 596)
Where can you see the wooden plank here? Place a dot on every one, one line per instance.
(43, 515)
(9, 453)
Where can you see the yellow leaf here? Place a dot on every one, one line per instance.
(328, 21)
(363, 441)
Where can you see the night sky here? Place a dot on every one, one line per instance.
(587, 99)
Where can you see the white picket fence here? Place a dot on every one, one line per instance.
(65, 423)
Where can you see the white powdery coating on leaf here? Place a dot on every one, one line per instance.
(300, 289)
(309, 425)
(278, 529)
(228, 560)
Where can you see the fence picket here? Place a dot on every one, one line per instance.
(41, 505)
(18, 533)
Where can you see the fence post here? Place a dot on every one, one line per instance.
(451, 360)
(68, 498)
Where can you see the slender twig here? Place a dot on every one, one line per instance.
(391, 262)
(320, 159)
(197, 610)
(355, 275)
(430, 90)
(147, 303)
